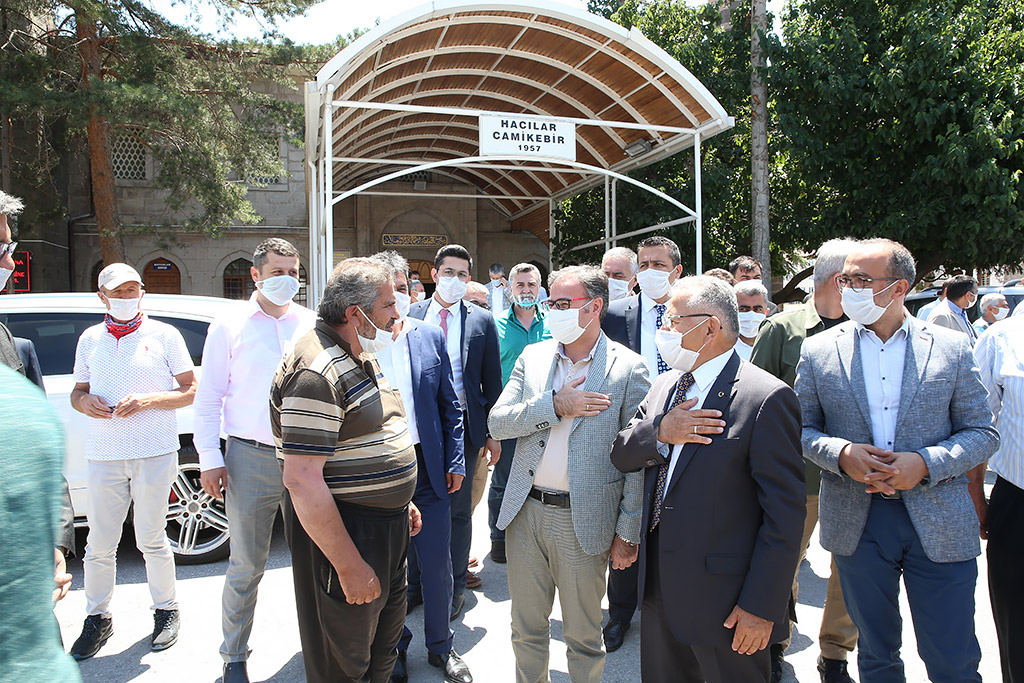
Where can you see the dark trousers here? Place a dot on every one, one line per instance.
(462, 521)
(623, 585)
(941, 596)
(430, 565)
(1005, 573)
(663, 659)
(499, 478)
(343, 643)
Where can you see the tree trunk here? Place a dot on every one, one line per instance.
(759, 143)
(104, 196)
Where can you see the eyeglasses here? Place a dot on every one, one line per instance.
(859, 282)
(7, 248)
(688, 315)
(563, 304)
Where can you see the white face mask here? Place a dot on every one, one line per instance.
(451, 289)
(565, 325)
(860, 306)
(654, 283)
(617, 289)
(381, 338)
(5, 274)
(670, 346)
(998, 315)
(123, 309)
(280, 289)
(404, 302)
(749, 322)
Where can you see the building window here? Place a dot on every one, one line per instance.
(300, 298)
(128, 156)
(260, 181)
(238, 282)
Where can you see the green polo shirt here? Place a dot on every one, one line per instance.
(513, 338)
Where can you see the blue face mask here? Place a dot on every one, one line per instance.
(527, 301)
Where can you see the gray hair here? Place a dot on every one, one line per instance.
(393, 260)
(901, 261)
(524, 268)
(713, 296)
(622, 252)
(830, 259)
(476, 288)
(750, 287)
(354, 282)
(10, 205)
(272, 244)
(593, 279)
(990, 299)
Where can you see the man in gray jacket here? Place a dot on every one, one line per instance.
(895, 414)
(566, 508)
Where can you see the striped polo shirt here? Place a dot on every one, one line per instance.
(326, 403)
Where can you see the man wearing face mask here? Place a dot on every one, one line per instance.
(522, 324)
(752, 299)
(350, 469)
(961, 295)
(722, 512)
(620, 265)
(417, 366)
(993, 308)
(126, 369)
(566, 511)
(633, 322)
(241, 354)
(471, 338)
(895, 414)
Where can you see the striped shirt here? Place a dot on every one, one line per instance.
(326, 403)
(1000, 356)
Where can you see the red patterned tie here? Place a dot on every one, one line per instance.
(684, 385)
(444, 313)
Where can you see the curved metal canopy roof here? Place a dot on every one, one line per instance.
(409, 90)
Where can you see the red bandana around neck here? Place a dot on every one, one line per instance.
(121, 329)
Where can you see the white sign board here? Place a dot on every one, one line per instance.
(512, 136)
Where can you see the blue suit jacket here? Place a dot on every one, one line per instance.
(481, 366)
(438, 418)
(622, 322)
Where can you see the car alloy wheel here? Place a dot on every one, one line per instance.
(197, 525)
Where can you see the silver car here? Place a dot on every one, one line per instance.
(197, 526)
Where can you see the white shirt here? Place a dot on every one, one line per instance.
(552, 473)
(882, 366)
(703, 379)
(743, 349)
(1000, 355)
(396, 364)
(454, 342)
(648, 318)
(240, 357)
(143, 362)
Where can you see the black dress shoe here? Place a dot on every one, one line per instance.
(833, 671)
(165, 629)
(458, 602)
(776, 654)
(455, 670)
(614, 634)
(235, 672)
(400, 674)
(96, 631)
(498, 552)
(413, 600)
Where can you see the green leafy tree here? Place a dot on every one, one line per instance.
(906, 115)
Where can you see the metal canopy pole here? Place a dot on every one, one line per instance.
(698, 198)
(615, 212)
(607, 212)
(327, 258)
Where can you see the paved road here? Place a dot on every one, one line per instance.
(483, 633)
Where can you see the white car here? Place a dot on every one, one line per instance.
(197, 526)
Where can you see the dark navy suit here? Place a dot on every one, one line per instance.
(481, 380)
(439, 452)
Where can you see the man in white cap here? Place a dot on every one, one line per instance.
(131, 373)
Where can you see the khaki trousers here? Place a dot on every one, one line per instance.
(837, 636)
(479, 480)
(544, 554)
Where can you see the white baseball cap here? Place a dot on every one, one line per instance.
(116, 274)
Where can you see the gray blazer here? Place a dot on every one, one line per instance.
(943, 415)
(604, 501)
(943, 316)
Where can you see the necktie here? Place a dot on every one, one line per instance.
(684, 384)
(444, 321)
(662, 365)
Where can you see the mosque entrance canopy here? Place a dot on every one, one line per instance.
(529, 102)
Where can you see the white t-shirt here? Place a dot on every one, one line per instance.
(143, 362)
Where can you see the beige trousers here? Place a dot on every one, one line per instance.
(837, 636)
(479, 480)
(544, 554)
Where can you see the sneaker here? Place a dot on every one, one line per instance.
(165, 629)
(95, 632)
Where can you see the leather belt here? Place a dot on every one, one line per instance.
(889, 496)
(558, 500)
(254, 443)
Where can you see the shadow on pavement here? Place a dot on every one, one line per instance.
(293, 670)
(119, 667)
